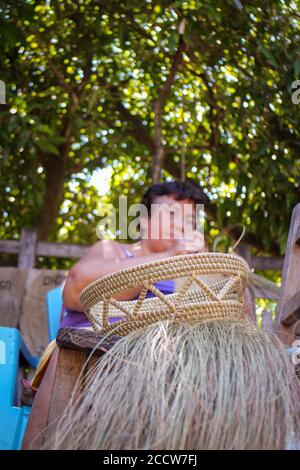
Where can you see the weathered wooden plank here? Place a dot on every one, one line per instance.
(33, 321)
(259, 262)
(292, 309)
(69, 370)
(12, 289)
(84, 340)
(290, 276)
(263, 288)
(61, 250)
(263, 263)
(65, 250)
(38, 418)
(27, 248)
(288, 334)
(9, 246)
(57, 250)
(267, 321)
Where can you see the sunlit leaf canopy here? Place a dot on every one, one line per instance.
(82, 125)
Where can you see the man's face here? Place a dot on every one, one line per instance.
(170, 220)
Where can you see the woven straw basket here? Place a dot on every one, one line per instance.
(195, 300)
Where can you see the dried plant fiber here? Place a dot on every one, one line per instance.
(221, 384)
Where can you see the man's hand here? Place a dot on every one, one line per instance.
(193, 243)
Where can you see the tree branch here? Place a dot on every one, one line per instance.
(138, 130)
(158, 109)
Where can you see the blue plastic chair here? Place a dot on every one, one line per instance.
(13, 419)
(31, 360)
(54, 304)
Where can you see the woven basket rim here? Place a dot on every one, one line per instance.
(178, 261)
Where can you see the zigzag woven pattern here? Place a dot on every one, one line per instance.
(222, 300)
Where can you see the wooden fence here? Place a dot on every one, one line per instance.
(28, 248)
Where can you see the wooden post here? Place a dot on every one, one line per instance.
(244, 251)
(27, 248)
(267, 322)
(289, 303)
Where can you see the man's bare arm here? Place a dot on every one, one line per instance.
(104, 258)
(95, 265)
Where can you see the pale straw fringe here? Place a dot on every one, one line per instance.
(212, 385)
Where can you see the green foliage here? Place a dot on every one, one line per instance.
(82, 79)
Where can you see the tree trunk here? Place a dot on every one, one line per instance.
(53, 195)
(157, 164)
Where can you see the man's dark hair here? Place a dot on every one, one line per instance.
(179, 189)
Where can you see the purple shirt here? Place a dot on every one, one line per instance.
(80, 320)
